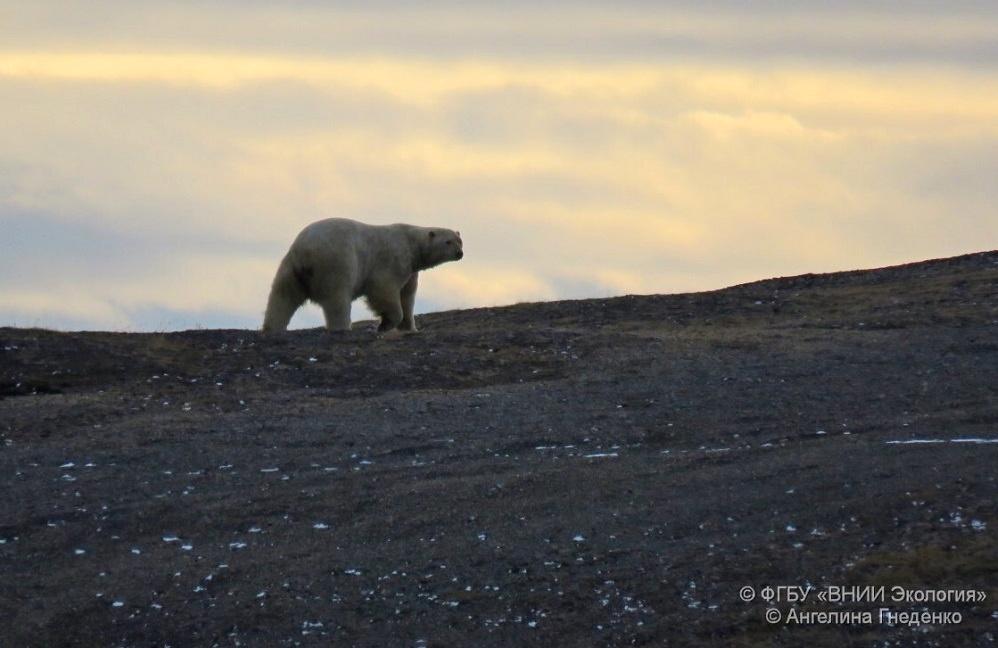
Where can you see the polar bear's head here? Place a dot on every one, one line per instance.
(443, 245)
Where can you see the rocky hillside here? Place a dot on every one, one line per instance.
(596, 472)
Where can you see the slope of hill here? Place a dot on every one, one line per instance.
(595, 472)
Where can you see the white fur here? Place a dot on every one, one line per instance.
(334, 261)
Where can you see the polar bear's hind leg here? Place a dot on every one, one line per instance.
(287, 294)
(387, 303)
(337, 312)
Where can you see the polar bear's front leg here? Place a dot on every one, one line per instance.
(408, 298)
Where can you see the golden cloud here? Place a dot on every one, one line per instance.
(635, 177)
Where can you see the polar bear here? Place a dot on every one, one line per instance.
(336, 260)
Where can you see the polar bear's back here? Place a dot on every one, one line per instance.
(345, 248)
(332, 246)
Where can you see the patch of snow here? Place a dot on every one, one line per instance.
(915, 441)
(976, 440)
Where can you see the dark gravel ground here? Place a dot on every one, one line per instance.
(580, 473)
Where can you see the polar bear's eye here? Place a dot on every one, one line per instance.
(449, 242)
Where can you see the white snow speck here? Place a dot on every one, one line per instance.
(68, 464)
(791, 528)
(269, 470)
(320, 525)
(313, 359)
(237, 545)
(136, 551)
(600, 455)
(579, 538)
(186, 547)
(118, 604)
(255, 529)
(170, 538)
(915, 441)
(978, 525)
(79, 552)
(352, 572)
(960, 440)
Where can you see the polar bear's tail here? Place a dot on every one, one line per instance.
(288, 292)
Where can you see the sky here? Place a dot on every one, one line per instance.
(157, 158)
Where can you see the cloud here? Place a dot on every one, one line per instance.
(856, 32)
(156, 184)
